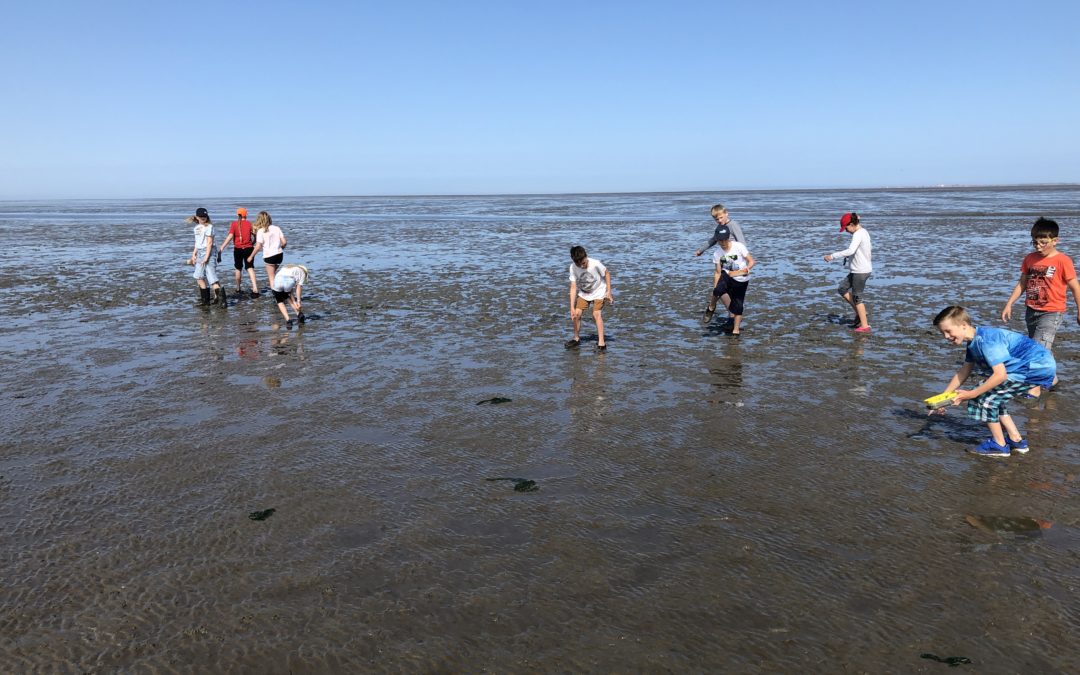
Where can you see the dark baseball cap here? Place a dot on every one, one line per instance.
(722, 233)
(202, 213)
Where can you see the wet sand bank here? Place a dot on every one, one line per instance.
(773, 503)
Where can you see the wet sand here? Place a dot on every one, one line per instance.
(774, 503)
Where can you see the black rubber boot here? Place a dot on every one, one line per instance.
(204, 296)
(220, 297)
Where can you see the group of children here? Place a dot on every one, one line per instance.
(285, 280)
(1013, 364)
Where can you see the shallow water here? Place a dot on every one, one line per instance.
(778, 502)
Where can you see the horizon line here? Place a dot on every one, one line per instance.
(940, 186)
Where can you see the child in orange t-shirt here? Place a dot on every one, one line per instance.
(1044, 276)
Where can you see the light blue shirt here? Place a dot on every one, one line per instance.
(1025, 360)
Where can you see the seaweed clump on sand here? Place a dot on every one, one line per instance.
(951, 661)
(261, 515)
(520, 484)
(496, 400)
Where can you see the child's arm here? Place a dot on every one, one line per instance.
(959, 377)
(1074, 286)
(226, 242)
(1006, 312)
(209, 248)
(258, 247)
(573, 297)
(607, 280)
(283, 242)
(846, 253)
(707, 245)
(996, 377)
(716, 274)
(750, 262)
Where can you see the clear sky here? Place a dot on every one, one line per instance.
(243, 98)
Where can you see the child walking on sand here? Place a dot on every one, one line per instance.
(271, 241)
(204, 260)
(730, 280)
(241, 234)
(724, 222)
(287, 288)
(1044, 276)
(1014, 363)
(590, 286)
(857, 259)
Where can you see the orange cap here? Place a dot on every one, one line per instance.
(241, 212)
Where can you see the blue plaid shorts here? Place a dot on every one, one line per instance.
(990, 406)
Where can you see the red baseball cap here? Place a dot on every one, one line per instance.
(242, 212)
(847, 219)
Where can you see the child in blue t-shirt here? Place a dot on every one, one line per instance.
(1015, 363)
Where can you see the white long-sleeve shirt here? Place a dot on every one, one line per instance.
(859, 252)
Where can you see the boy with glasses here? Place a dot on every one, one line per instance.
(1044, 276)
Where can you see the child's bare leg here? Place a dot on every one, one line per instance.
(1010, 427)
(995, 431)
(254, 281)
(201, 282)
(598, 317)
(860, 312)
(738, 322)
(284, 312)
(847, 298)
(576, 317)
(270, 270)
(236, 275)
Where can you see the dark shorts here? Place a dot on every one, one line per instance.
(281, 296)
(856, 283)
(1042, 327)
(274, 259)
(240, 258)
(735, 290)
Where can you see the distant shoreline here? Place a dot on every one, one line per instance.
(897, 188)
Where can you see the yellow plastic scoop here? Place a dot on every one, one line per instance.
(940, 401)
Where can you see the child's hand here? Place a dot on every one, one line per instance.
(962, 395)
(828, 258)
(575, 313)
(697, 254)
(936, 411)
(609, 299)
(1006, 314)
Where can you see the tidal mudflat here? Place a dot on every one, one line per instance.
(688, 501)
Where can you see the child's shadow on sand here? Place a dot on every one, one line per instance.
(936, 427)
(718, 327)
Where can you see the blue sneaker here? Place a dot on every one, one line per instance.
(989, 448)
(1020, 446)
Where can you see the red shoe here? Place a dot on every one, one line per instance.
(862, 329)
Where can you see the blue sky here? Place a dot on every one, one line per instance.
(147, 99)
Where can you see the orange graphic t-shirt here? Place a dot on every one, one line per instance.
(1047, 279)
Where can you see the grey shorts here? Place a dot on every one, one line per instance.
(856, 283)
(1042, 326)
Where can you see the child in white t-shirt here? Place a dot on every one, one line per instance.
(286, 288)
(590, 286)
(730, 279)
